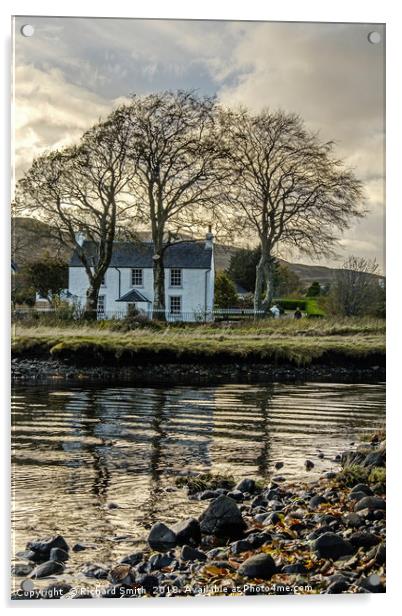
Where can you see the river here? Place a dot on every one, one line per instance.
(98, 464)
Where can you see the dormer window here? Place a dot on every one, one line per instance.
(137, 277)
(175, 277)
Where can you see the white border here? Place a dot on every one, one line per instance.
(366, 11)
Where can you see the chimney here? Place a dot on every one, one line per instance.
(80, 237)
(209, 239)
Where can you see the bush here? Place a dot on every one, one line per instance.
(205, 481)
(352, 475)
(377, 475)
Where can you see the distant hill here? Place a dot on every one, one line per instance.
(31, 241)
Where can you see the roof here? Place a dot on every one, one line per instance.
(133, 296)
(192, 255)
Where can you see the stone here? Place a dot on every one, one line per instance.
(262, 517)
(132, 559)
(161, 536)
(256, 540)
(237, 495)
(21, 569)
(190, 553)
(362, 487)
(330, 475)
(51, 567)
(331, 545)
(279, 465)
(208, 494)
(371, 503)
(308, 465)
(375, 458)
(352, 520)
(148, 582)
(223, 519)
(297, 568)
(240, 546)
(95, 571)
(59, 555)
(316, 501)
(258, 501)
(261, 566)
(121, 574)
(356, 496)
(158, 561)
(187, 531)
(80, 547)
(364, 539)
(35, 557)
(246, 485)
(45, 545)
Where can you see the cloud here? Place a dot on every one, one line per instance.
(73, 70)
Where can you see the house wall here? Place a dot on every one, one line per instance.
(197, 290)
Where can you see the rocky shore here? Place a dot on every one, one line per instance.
(326, 536)
(28, 371)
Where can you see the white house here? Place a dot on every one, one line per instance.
(128, 282)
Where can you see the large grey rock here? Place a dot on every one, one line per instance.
(51, 567)
(161, 536)
(223, 519)
(362, 487)
(331, 545)
(43, 546)
(375, 458)
(246, 485)
(58, 554)
(372, 503)
(261, 566)
(187, 531)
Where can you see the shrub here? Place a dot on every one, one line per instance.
(205, 481)
(377, 475)
(351, 475)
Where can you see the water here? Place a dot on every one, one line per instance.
(77, 450)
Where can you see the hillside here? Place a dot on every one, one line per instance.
(31, 241)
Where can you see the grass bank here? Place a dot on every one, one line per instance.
(301, 343)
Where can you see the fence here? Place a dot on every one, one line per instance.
(195, 316)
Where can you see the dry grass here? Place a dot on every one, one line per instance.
(278, 341)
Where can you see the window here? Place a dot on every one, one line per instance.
(175, 277)
(175, 304)
(101, 304)
(103, 283)
(137, 277)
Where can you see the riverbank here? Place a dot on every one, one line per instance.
(326, 536)
(320, 349)
(38, 371)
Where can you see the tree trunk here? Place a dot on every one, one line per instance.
(91, 305)
(269, 282)
(259, 283)
(159, 288)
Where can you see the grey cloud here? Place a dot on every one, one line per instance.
(74, 70)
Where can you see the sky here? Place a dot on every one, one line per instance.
(72, 71)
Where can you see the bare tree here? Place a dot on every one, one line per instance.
(175, 148)
(287, 187)
(357, 289)
(83, 189)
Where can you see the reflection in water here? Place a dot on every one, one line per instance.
(76, 450)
